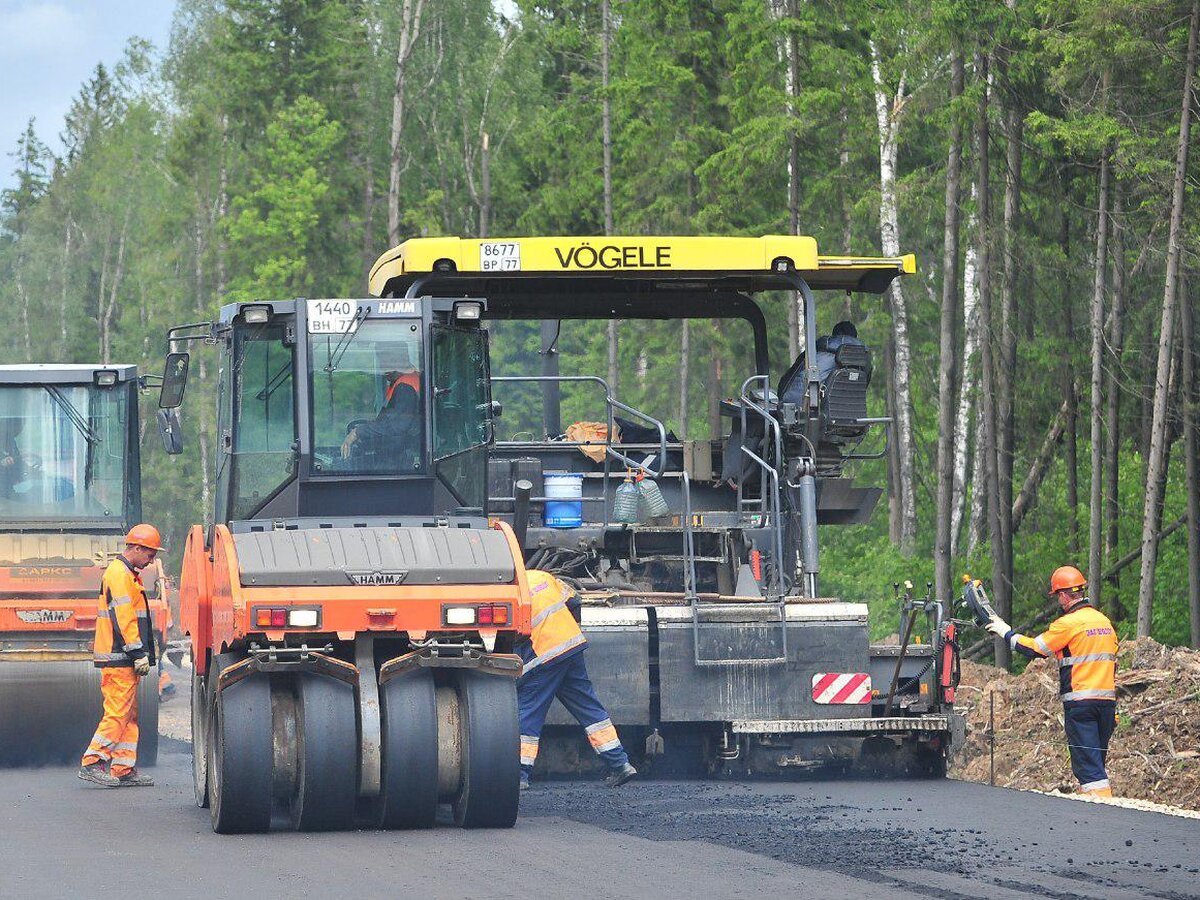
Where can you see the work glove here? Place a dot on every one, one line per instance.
(997, 626)
(141, 666)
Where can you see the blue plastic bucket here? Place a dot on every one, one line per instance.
(564, 499)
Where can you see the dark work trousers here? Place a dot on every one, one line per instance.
(1089, 725)
(567, 679)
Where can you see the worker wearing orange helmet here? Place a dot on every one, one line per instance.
(1084, 644)
(124, 652)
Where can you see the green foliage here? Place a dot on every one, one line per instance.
(273, 226)
(250, 159)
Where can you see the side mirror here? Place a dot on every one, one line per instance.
(174, 381)
(172, 433)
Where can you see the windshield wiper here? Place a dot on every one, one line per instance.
(76, 417)
(276, 382)
(344, 344)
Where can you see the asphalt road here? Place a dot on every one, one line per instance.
(849, 839)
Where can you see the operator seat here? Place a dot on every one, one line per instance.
(844, 396)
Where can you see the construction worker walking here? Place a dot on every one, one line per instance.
(554, 667)
(1084, 644)
(124, 652)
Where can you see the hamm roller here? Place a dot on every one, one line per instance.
(69, 489)
(353, 612)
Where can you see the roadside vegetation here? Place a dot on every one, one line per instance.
(1035, 155)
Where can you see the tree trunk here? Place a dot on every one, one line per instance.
(369, 250)
(1116, 336)
(410, 30)
(948, 337)
(1005, 371)
(1156, 466)
(485, 185)
(685, 357)
(612, 334)
(1041, 465)
(1100, 270)
(1070, 390)
(786, 9)
(987, 432)
(888, 109)
(222, 209)
(68, 229)
(714, 390)
(967, 382)
(893, 457)
(1188, 374)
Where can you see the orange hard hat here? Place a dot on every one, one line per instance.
(1066, 578)
(144, 536)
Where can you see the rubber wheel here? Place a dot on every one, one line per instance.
(491, 760)
(240, 754)
(409, 783)
(147, 713)
(200, 713)
(327, 776)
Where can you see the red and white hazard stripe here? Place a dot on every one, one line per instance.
(841, 687)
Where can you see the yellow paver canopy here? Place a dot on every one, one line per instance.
(749, 264)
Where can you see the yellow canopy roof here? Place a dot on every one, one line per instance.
(742, 263)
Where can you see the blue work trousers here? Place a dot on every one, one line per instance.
(567, 679)
(1089, 725)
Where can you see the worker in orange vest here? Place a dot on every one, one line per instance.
(124, 652)
(553, 668)
(1083, 643)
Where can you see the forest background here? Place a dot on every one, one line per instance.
(1033, 154)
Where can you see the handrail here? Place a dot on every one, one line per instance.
(776, 504)
(610, 402)
(689, 543)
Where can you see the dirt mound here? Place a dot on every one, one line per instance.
(1154, 755)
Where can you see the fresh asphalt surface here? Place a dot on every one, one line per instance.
(689, 839)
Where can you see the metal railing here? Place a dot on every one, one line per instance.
(611, 405)
(770, 502)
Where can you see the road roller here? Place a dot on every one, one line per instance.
(69, 490)
(353, 611)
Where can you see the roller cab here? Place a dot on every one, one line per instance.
(353, 612)
(69, 490)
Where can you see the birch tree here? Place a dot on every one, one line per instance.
(1156, 465)
(889, 111)
(948, 337)
(410, 31)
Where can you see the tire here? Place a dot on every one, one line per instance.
(327, 776)
(200, 716)
(240, 754)
(409, 783)
(147, 701)
(491, 761)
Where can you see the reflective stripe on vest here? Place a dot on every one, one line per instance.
(557, 650)
(547, 612)
(1087, 658)
(1091, 694)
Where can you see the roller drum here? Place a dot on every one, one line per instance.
(49, 710)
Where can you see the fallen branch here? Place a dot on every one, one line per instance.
(1133, 555)
(1041, 465)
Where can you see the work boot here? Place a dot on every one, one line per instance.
(133, 778)
(96, 775)
(618, 777)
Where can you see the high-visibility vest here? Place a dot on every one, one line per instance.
(555, 630)
(124, 631)
(1084, 644)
